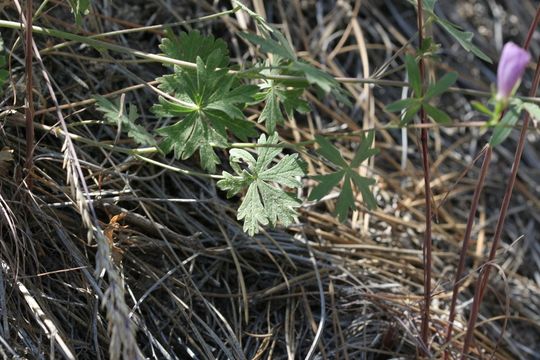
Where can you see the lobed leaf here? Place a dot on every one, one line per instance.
(264, 203)
(115, 114)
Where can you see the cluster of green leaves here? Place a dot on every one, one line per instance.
(264, 202)
(278, 94)
(420, 99)
(116, 114)
(205, 101)
(503, 128)
(208, 100)
(464, 38)
(346, 173)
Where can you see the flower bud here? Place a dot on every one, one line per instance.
(512, 64)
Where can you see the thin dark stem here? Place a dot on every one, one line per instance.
(29, 110)
(427, 195)
(482, 281)
(466, 242)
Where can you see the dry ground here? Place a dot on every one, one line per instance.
(196, 285)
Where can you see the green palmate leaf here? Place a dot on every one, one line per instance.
(276, 97)
(189, 46)
(533, 110)
(272, 41)
(345, 201)
(329, 151)
(464, 38)
(252, 210)
(363, 183)
(265, 203)
(505, 126)
(364, 151)
(116, 114)
(441, 86)
(414, 75)
(346, 173)
(400, 105)
(326, 184)
(79, 9)
(208, 100)
(439, 116)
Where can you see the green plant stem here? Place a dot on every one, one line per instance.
(98, 44)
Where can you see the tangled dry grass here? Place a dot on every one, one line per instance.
(178, 267)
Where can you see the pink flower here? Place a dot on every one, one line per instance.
(512, 64)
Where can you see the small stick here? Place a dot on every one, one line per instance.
(29, 109)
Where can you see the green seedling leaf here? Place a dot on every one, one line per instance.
(441, 86)
(478, 106)
(400, 105)
(464, 38)
(414, 75)
(347, 174)
(505, 126)
(125, 119)
(410, 113)
(440, 117)
(265, 202)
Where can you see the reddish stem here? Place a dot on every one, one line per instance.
(466, 242)
(424, 331)
(483, 278)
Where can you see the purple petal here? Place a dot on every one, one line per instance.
(512, 64)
